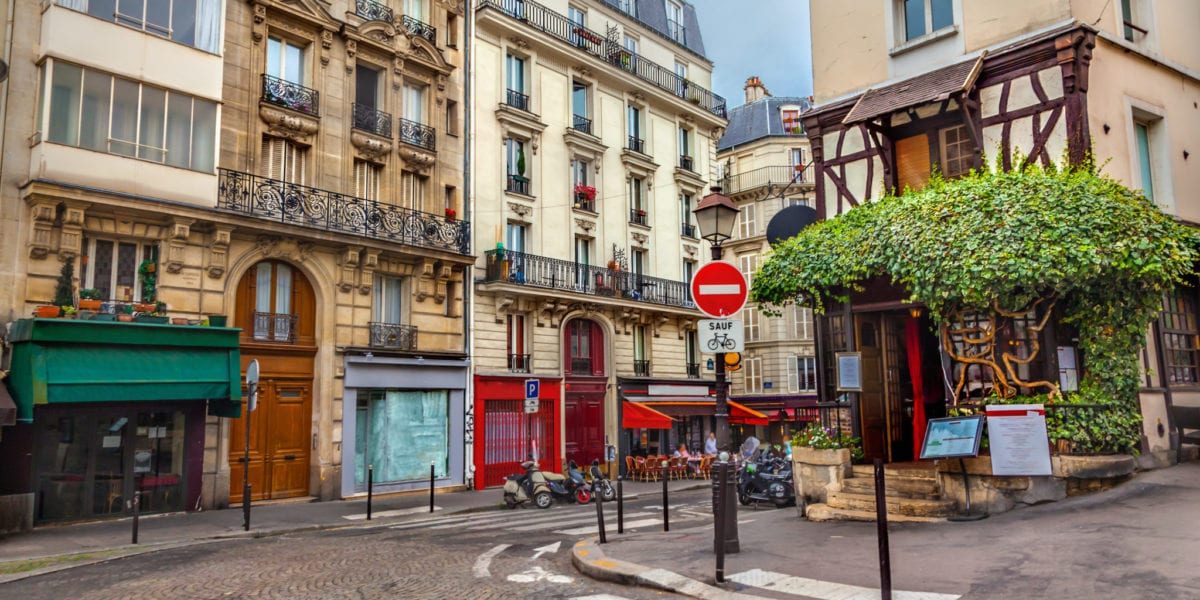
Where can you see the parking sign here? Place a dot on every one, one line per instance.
(532, 389)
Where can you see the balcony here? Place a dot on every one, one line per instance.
(290, 95)
(393, 336)
(607, 50)
(289, 203)
(677, 32)
(641, 368)
(693, 370)
(517, 100)
(274, 327)
(636, 144)
(419, 28)
(638, 217)
(507, 266)
(373, 11)
(685, 162)
(417, 134)
(519, 363)
(762, 177)
(582, 124)
(518, 184)
(688, 230)
(371, 120)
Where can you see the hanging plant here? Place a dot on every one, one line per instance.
(147, 271)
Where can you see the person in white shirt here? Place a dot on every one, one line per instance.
(710, 445)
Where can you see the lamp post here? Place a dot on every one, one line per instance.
(716, 215)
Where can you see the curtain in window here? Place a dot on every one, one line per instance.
(80, 5)
(208, 25)
(407, 431)
(262, 288)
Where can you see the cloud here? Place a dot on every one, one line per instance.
(767, 38)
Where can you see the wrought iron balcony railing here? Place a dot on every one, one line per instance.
(636, 144)
(275, 327)
(419, 28)
(583, 124)
(581, 366)
(290, 95)
(372, 120)
(638, 215)
(685, 162)
(585, 204)
(688, 230)
(393, 336)
(517, 100)
(608, 50)
(518, 363)
(284, 202)
(417, 134)
(762, 177)
(641, 368)
(373, 11)
(518, 184)
(676, 31)
(693, 370)
(507, 266)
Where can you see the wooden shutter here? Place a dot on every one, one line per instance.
(912, 162)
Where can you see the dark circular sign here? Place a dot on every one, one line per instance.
(788, 222)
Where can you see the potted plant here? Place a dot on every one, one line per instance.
(89, 299)
(148, 271)
(64, 292)
(126, 313)
(585, 193)
(158, 314)
(520, 176)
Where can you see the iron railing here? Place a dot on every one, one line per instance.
(372, 120)
(581, 365)
(419, 28)
(290, 203)
(641, 368)
(582, 123)
(693, 370)
(517, 100)
(417, 134)
(688, 230)
(274, 327)
(373, 11)
(585, 204)
(507, 266)
(638, 215)
(393, 336)
(636, 144)
(518, 363)
(608, 50)
(290, 95)
(676, 31)
(518, 184)
(685, 162)
(761, 177)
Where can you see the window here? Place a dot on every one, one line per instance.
(412, 190)
(746, 225)
(689, 271)
(285, 60)
(628, 7)
(749, 265)
(518, 355)
(1134, 18)
(451, 198)
(451, 30)
(579, 172)
(579, 107)
(752, 375)
(796, 159)
(637, 202)
(631, 43)
(415, 9)
(195, 23)
(752, 318)
(576, 16)
(451, 117)
(685, 150)
(514, 158)
(517, 235)
(367, 91)
(802, 374)
(284, 160)
(273, 286)
(110, 267)
(639, 342)
(389, 300)
(956, 151)
(414, 102)
(583, 251)
(926, 16)
(366, 179)
(633, 126)
(791, 120)
(401, 433)
(802, 319)
(685, 209)
(691, 345)
(637, 261)
(514, 69)
(98, 111)
(675, 28)
(681, 85)
(1145, 133)
(1181, 336)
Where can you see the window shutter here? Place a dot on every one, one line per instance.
(272, 157)
(793, 373)
(912, 162)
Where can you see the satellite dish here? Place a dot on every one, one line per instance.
(787, 223)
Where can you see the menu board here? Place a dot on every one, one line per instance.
(952, 437)
(1017, 435)
(849, 375)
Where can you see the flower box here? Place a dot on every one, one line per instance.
(48, 312)
(815, 456)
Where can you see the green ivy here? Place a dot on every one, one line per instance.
(1008, 238)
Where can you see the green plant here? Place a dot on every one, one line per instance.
(521, 161)
(160, 308)
(89, 294)
(817, 437)
(148, 271)
(64, 291)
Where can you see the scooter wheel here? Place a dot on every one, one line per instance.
(543, 499)
(744, 499)
(510, 501)
(583, 496)
(784, 502)
(608, 493)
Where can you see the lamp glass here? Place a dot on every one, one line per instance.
(716, 221)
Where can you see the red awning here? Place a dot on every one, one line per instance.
(738, 414)
(639, 416)
(743, 415)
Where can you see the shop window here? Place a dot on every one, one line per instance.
(111, 267)
(1181, 337)
(400, 433)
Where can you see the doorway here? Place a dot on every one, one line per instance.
(279, 442)
(886, 402)
(586, 389)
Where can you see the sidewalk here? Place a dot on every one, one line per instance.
(1134, 541)
(110, 538)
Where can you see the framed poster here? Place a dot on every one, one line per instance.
(1018, 439)
(849, 373)
(952, 437)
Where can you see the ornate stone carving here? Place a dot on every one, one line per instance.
(176, 246)
(348, 259)
(520, 209)
(326, 44)
(218, 251)
(273, 246)
(640, 238)
(690, 250)
(585, 224)
(519, 42)
(260, 17)
(41, 228)
(370, 263)
(416, 160)
(284, 124)
(351, 52)
(369, 146)
(70, 238)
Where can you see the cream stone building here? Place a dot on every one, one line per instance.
(903, 87)
(594, 138)
(762, 159)
(292, 168)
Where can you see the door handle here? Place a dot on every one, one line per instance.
(289, 457)
(243, 459)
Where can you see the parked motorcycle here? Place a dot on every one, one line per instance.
(766, 479)
(530, 486)
(601, 486)
(576, 485)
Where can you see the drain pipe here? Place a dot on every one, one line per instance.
(469, 274)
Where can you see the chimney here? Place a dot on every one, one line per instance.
(755, 90)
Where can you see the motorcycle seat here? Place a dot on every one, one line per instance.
(553, 476)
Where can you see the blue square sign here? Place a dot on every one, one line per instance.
(532, 387)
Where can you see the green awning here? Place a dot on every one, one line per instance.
(63, 360)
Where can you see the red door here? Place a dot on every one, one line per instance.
(586, 388)
(504, 434)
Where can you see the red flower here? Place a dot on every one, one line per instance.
(587, 192)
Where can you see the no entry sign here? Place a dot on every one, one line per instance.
(719, 289)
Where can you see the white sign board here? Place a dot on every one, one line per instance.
(1017, 434)
(721, 335)
(531, 405)
(849, 376)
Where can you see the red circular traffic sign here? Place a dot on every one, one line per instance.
(719, 289)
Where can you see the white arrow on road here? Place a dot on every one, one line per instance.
(551, 548)
(481, 564)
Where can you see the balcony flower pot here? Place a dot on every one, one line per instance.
(451, 214)
(216, 320)
(48, 312)
(179, 321)
(125, 318)
(144, 307)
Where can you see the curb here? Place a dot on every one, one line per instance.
(590, 560)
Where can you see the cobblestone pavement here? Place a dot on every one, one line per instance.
(438, 559)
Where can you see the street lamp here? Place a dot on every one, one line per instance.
(716, 215)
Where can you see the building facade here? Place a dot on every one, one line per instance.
(920, 85)
(595, 135)
(762, 159)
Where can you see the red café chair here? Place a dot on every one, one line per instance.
(653, 466)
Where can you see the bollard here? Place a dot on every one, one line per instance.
(600, 517)
(719, 528)
(620, 504)
(885, 568)
(431, 486)
(137, 497)
(666, 512)
(370, 488)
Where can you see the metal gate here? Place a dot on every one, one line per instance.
(507, 439)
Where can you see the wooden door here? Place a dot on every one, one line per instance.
(872, 404)
(584, 420)
(280, 442)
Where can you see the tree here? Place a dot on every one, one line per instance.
(64, 291)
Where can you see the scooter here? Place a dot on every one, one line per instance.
(576, 485)
(601, 486)
(531, 486)
(768, 479)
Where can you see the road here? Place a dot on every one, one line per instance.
(496, 554)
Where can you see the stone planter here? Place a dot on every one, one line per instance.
(815, 472)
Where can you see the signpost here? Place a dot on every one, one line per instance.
(719, 289)
(532, 391)
(721, 335)
(251, 404)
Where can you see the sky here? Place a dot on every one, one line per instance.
(767, 38)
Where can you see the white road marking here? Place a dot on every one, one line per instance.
(824, 590)
(538, 574)
(389, 513)
(484, 560)
(551, 548)
(565, 523)
(591, 529)
(600, 597)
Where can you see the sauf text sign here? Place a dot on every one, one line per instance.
(721, 335)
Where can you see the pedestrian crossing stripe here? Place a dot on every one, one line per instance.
(570, 522)
(823, 590)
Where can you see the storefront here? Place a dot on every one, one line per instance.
(399, 416)
(691, 405)
(108, 409)
(505, 435)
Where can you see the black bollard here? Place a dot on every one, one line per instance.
(370, 488)
(666, 512)
(885, 568)
(600, 517)
(719, 529)
(137, 497)
(431, 486)
(620, 504)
